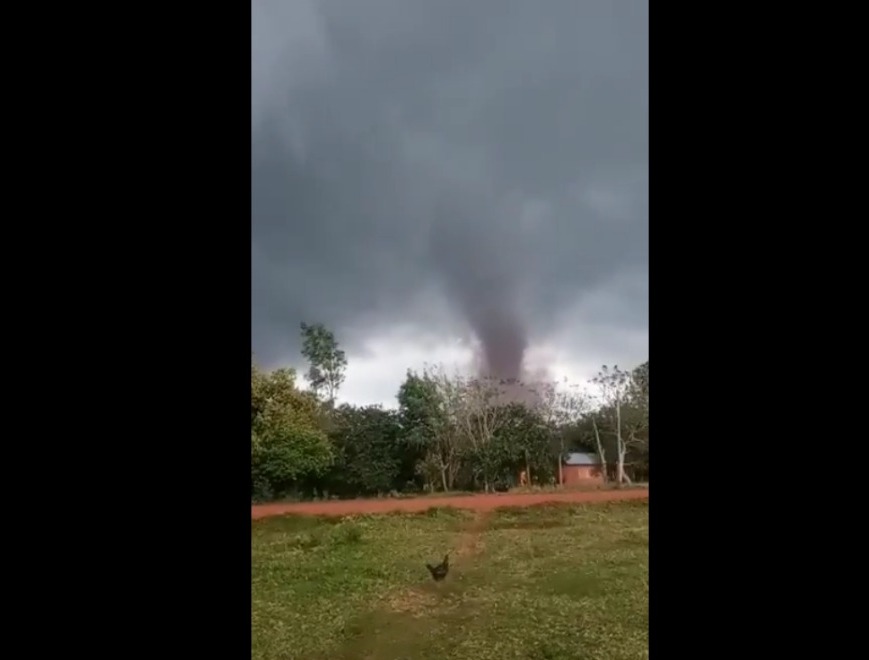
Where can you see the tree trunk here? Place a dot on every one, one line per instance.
(600, 451)
(561, 460)
(620, 470)
(527, 469)
(632, 439)
(444, 478)
(620, 446)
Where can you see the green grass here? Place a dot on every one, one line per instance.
(545, 582)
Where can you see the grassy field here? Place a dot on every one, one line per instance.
(547, 582)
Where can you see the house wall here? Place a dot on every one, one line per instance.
(582, 474)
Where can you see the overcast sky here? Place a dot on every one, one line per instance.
(453, 181)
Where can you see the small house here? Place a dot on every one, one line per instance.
(580, 468)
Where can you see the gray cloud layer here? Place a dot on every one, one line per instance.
(497, 149)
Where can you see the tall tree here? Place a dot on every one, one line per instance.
(624, 420)
(428, 409)
(639, 390)
(327, 361)
(523, 442)
(286, 443)
(369, 455)
(639, 399)
(561, 409)
(480, 414)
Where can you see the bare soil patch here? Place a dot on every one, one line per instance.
(471, 502)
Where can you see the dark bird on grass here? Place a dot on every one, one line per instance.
(440, 571)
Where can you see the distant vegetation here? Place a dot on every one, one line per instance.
(449, 432)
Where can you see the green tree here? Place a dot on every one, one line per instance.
(286, 443)
(622, 415)
(428, 406)
(366, 440)
(527, 438)
(561, 409)
(480, 414)
(638, 449)
(327, 361)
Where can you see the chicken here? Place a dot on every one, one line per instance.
(440, 571)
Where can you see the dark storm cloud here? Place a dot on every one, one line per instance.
(497, 148)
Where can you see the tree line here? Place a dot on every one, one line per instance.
(449, 431)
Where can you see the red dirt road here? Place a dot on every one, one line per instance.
(473, 502)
